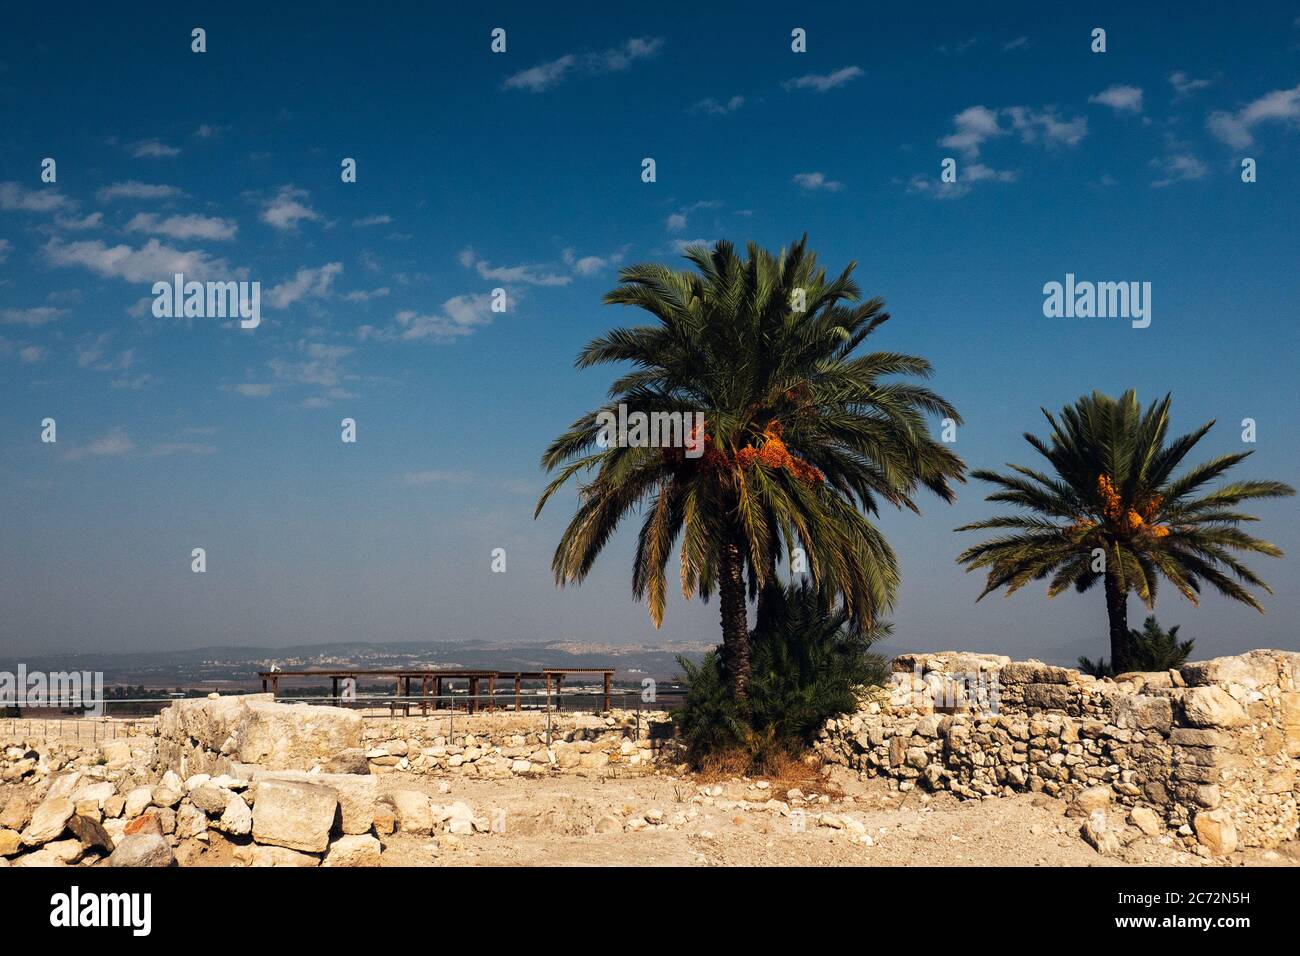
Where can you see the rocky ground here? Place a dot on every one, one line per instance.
(661, 821)
(68, 805)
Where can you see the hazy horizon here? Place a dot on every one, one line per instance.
(522, 171)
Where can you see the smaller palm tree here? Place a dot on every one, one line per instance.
(1152, 648)
(808, 665)
(1114, 512)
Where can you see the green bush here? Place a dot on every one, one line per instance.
(1152, 649)
(806, 666)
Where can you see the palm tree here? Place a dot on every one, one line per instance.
(800, 437)
(1151, 649)
(1114, 511)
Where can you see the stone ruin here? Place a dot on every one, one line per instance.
(279, 784)
(230, 734)
(1205, 756)
(1208, 752)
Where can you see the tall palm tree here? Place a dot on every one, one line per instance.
(1113, 511)
(800, 438)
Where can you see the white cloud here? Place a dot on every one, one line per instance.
(1045, 125)
(1185, 85)
(618, 59)
(306, 284)
(133, 383)
(373, 221)
(458, 317)
(209, 131)
(680, 245)
(114, 443)
(528, 274)
(183, 227)
(711, 107)
(967, 175)
(73, 224)
(1179, 167)
(153, 149)
(363, 295)
(974, 126)
(546, 76)
(252, 389)
(677, 221)
(131, 189)
(14, 198)
(91, 354)
(937, 188)
(1120, 98)
(824, 81)
(328, 398)
(33, 317)
(1019, 43)
(1237, 129)
(322, 365)
(289, 208)
(815, 181)
(590, 265)
(978, 173)
(5, 247)
(32, 354)
(152, 262)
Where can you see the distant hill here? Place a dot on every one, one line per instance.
(224, 666)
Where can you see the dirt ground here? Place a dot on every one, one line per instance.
(549, 822)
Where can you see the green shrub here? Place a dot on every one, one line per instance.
(806, 666)
(1152, 649)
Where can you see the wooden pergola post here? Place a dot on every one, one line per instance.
(559, 686)
(609, 678)
(492, 690)
(424, 696)
(473, 694)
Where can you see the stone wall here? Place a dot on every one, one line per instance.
(1210, 751)
(237, 735)
(502, 744)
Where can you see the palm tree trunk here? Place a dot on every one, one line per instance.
(735, 624)
(1117, 611)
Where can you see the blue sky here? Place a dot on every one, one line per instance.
(522, 171)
